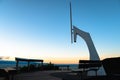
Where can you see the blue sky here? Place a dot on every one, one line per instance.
(41, 29)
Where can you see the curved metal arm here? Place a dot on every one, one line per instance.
(93, 53)
(86, 36)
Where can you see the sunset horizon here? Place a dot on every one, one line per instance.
(41, 29)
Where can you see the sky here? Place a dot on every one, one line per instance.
(40, 29)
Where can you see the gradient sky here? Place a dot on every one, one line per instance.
(41, 29)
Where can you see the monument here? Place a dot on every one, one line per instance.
(87, 38)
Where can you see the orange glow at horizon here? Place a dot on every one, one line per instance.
(59, 60)
(74, 60)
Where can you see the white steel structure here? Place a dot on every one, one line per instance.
(87, 38)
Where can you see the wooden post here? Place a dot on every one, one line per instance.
(17, 65)
(42, 65)
(28, 65)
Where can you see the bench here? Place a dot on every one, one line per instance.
(87, 65)
(90, 65)
(4, 75)
(7, 74)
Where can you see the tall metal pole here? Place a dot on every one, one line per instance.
(71, 24)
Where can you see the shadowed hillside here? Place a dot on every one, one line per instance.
(112, 65)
